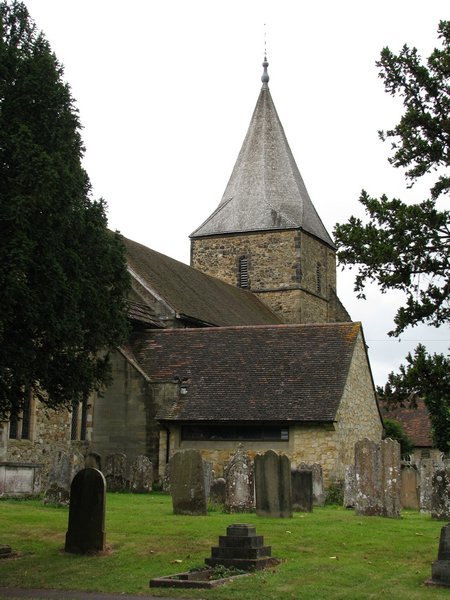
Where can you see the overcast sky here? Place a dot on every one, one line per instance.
(166, 91)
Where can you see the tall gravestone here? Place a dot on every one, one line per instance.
(367, 477)
(141, 475)
(390, 478)
(273, 485)
(317, 482)
(426, 470)
(187, 483)
(440, 497)
(409, 488)
(86, 530)
(349, 487)
(116, 472)
(302, 490)
(239, 483)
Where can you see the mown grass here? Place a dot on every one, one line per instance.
(328, 554)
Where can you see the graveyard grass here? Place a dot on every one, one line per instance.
(329, 554)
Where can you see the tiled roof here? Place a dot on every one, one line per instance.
(416, 422)
(193, 294)
(264, 373)
(142, 315)
(265, 190)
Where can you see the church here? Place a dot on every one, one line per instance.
(248, 345)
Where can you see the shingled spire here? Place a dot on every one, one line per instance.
(265, 191)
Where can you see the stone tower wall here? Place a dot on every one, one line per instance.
(290, 271)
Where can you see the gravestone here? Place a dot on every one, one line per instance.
(440, 570)
(440, 497)
(187, 483)
(93, 460)
(317, 482)
(426, 470)
(409, 488)
(302, 490)
(390, 478)
(217, 492)
(116, 472)
(209, 476)
(273, 485)
(367, 477)
(166, 479)
(349, 487)
(86, 530)
(141, 475)
(64, 468)
(239, 483)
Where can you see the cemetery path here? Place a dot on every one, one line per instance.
(11, 593)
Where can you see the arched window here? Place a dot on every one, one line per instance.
(244, 281)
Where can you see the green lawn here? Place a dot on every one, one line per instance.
(328, 554)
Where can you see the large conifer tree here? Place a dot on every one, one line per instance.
(63, 278)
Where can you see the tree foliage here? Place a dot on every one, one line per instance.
(407, 247)
(62, 273)
(428, 377)
(395, 431)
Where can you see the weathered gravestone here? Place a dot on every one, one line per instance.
(302, 490)
(317, 482)
(187, 483)
(273, 485)
(93, 460)
(349, 487)
(86, 530)
(409, 488)
(239, 483)
(116, 472)
(440, 497)
(65, 466)
(426, 470)
(368, 500)
(217, 492)
(166, 479)
(141, 475)
(377, 478)
(390, 478)
(209, 477)
(440, 570)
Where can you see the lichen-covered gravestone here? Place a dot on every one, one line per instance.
(187, 483)
(302, 490)
(426, 470)
(239, 483)
(349, 487)
(440, 497)
(367, 478)
(116, 472)
(65, 466)
(390, 478)
(141, 475)
(86, 530)
(273, 485)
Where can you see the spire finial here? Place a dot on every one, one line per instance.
(265, 75)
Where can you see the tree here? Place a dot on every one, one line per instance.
(428, 377)
(407, 247)
(63, 275)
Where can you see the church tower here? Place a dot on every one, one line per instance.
(266, 235)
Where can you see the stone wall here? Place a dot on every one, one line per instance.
(49, 433)
(124, 415)
(291, 271)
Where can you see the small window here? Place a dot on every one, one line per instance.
(234, 433)
(244, 281)
(318, 279)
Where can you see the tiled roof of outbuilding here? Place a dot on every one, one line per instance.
(416, 422)
(193, 294)
(265, 190)
(263, 373)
